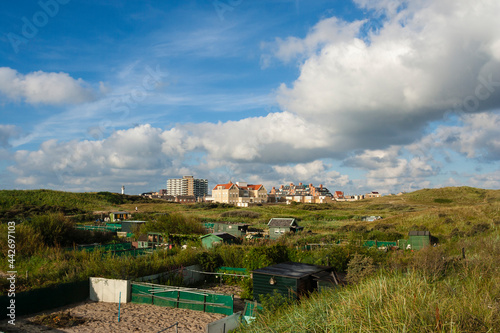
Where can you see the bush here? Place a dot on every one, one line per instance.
(174, 224)
(478, 229)
(264, 256)
(54, 229)
(359, 267)
(432, 261)
(246, 285)
(273, 302)
(209, 261)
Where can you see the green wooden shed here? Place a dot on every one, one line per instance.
(210, 240)
(417, 240)
(233, 228)
(279, 226)
(290, 279)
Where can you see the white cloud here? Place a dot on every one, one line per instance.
(426, 59)
(44, 88)
(7, 132)
(479, 137)
(316, 172)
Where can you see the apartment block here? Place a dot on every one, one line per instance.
(187, 185)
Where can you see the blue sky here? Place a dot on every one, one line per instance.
(360, 96)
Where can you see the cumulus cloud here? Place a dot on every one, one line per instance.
(316, 171)
(128, 156)
(361, 98)
(276, 138)
(44, 88)
(6, 133)
(428, 58)
(478, 137)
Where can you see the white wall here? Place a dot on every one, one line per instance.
(108, 290)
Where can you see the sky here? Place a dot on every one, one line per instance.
(360, 96)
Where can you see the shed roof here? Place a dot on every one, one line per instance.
(221, 235)
(143, 238)
(290, 269)
(419, 233)
(281, 222)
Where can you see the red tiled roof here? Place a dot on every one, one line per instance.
(224, 186)
(248, 187)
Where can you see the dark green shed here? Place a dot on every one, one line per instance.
(235, 229)
(211, 240)
(291, 279)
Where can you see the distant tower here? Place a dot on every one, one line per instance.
(123, 189)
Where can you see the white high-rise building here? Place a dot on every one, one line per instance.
(187, 185)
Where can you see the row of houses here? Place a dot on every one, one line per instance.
(188, 190)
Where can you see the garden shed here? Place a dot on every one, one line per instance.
(210, 240)
(119, 216)
(235, 229)
(417, 240)
(290, 279)
(279, 226)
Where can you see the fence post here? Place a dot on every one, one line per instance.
(119, 303)
(178, 297)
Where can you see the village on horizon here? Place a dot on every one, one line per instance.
(241, 194)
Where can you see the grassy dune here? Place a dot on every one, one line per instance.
(433, 290)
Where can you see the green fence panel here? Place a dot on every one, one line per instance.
(141, 294)
(182, 298)
(37, 300)
(232, 270)
(225, 301)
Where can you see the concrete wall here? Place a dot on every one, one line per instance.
(108, 290)
(225, 324)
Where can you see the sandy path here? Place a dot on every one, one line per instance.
(103, 317)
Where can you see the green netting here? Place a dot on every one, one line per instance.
(372, 243)
(99, 227)
(192, 299)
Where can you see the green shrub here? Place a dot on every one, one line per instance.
(263, 256)
(271, 303)
(359, 267)
(209, 260)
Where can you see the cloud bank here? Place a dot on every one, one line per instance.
(376, 102)
(43, 88)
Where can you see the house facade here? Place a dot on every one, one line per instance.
(239, 193)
